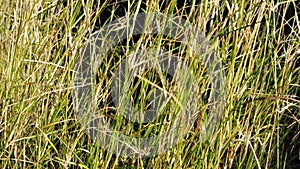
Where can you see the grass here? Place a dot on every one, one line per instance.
(258, 43)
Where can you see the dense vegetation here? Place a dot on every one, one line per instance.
(258, 43)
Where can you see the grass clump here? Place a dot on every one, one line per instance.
(258, 43)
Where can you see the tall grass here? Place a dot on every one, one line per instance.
(259, 46)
